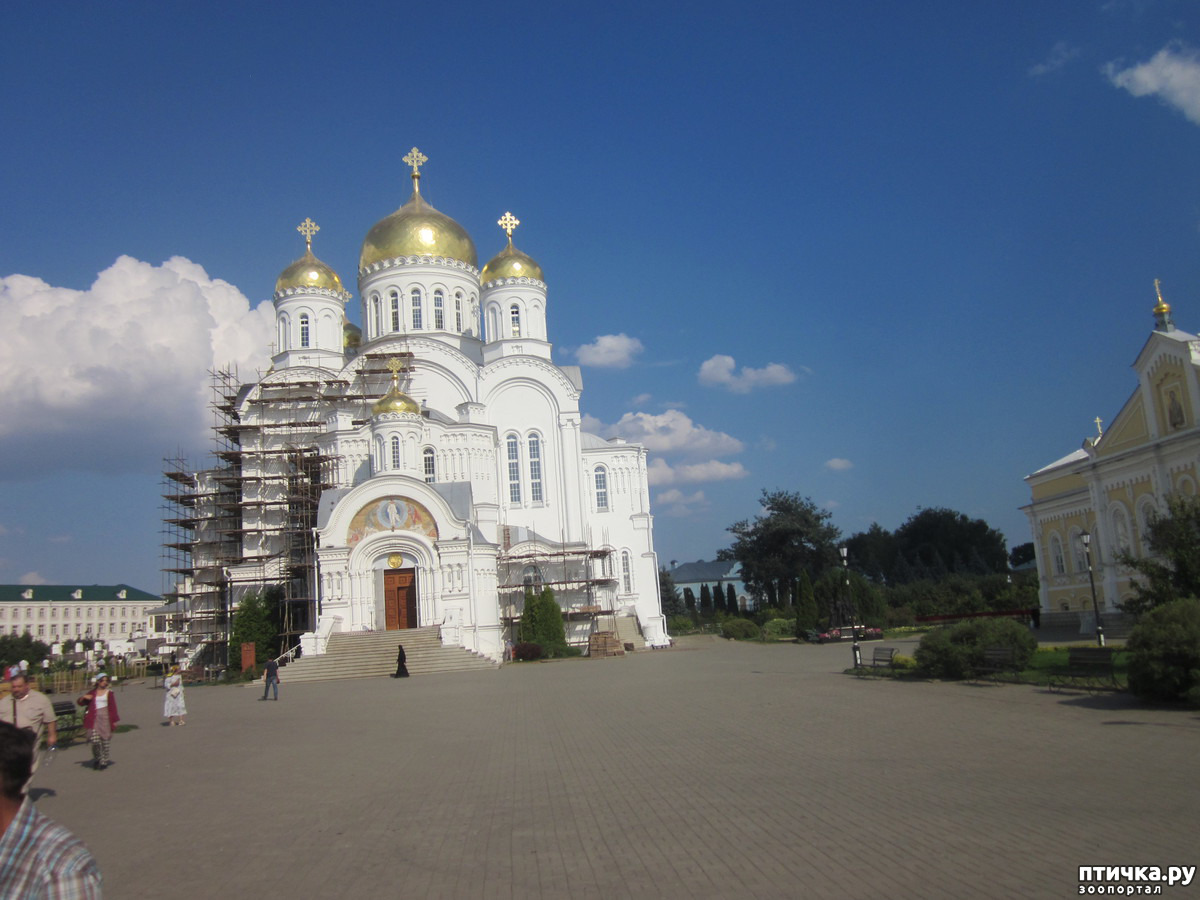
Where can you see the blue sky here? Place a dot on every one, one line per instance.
(885, 255)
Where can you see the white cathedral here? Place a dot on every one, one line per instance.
(423, 470)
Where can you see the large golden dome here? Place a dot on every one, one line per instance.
(308, 272)
(417, 229)
(511, 263)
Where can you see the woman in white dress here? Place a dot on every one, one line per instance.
(174, 708)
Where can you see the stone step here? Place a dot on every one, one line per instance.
(373, 654)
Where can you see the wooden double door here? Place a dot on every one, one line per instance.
(399, 599)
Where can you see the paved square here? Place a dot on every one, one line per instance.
(714, 770)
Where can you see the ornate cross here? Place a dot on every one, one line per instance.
(395, 366)
(508, 222)
(1099, 430)
(416, 159)
(308, 228)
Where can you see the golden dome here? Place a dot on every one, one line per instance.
(417, 229)
(395, 401)
(351, 335)
(308, 272)
(511, 263)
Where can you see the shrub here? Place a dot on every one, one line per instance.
(681, 625)
(779, 628)
(902, 663)
(526, 651)
(956, 651)
(740, 630)
(1164, 648)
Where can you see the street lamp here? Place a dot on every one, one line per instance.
(850, 606)
(1087, 551)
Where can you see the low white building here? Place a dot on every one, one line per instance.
(58, 613)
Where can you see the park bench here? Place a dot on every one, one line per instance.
(996, 661)
(66, 713)
(1090, 668)
(881, 658)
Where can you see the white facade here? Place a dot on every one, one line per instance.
(62, 613)
(442, 450)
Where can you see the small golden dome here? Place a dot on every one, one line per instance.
(417, 229)
(511, 263)
(351, 335)
(308, 272)
(395, 401)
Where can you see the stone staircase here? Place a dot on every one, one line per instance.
(370, 654)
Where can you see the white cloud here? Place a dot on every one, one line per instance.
(838, 465)
(831, 505)
(1173, 75)
(676, 503)
(610, 351)
(32, 578)
(640, 400)
(673, 432)
(115, 377)
(1060, 54)
(720, 371)
(660, 472)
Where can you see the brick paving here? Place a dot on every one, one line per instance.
(711, 770)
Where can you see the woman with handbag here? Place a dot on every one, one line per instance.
(174, 707)
(99, 719)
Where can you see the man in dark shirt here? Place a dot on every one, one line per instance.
(271, 676)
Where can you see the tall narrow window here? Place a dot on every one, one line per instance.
(1056, 551)
(514, 469)
(535, 469)
(395, 300)
(439, 312)
(430, 466)
(626, 572)
(395, 452)
(514, 316)
(303, 329)
(601, 487)
(378, 317)
(416, 310)
(458, 312)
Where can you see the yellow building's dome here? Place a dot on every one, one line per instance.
(417, 229)
(511, 263)
(395, 401)
(308, 272)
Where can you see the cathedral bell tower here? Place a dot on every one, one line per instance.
(514, 302)
(310, 311)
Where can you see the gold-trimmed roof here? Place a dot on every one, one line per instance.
(511, 263)
(395, 401)
(308, 271)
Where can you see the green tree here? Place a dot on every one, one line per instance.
(806, 605)
(1164, 653)
(542, 622)
(668, 593)
(256, 621)
(1171, 571)
(791, 535)
(706, 605)
(932, 536)
(731, 604)
(689, 600)
(873, 552)
(1021, 555)
(17, 647)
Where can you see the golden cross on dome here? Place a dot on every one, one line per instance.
(1099, 430)
(416, 159)
(395, 366)
(508, 222)
(308, 228)
(1158, 290)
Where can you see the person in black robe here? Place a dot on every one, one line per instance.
(401, 663)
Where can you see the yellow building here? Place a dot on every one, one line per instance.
(1117, 479)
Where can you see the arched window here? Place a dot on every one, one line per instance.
(416, 310)
(377, 456)
(430, 462)
(377, 315)
(626, 572)
(458, 312)
(395, 452)
(514, 316)
(439, 312)
(1120, 530)
(394, 298)
(304, 329)
(1079, 554)
(283, 333)
(1056, 554)
(606, 565)
(514, 469)
(535, 468)
(531, 577)
(601, 476)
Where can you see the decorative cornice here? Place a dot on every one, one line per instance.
(398, 261)
(524, 279)
(342, 296)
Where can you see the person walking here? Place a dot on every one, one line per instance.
(271, 678)
(174, 707)
(32, 711)
(99, 719)
(401, 662)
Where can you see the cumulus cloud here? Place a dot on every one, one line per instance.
(610, 351)
(721, 371)
(32, 578)
(838, 465)
(673, 432)
(676, 503)
(660, 472)
(1060, 54)
(1173, 75)
(114, 377)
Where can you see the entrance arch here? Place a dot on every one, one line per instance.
(399, 599)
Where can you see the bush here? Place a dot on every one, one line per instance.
(902, 663)
(1164, 653)
(526, 651)
(681, 625)
(780, 628)
(740, 630)
(956, 651)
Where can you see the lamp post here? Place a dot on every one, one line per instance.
(1087, 551)
(845, 552)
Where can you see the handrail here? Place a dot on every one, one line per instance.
(290, 655)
